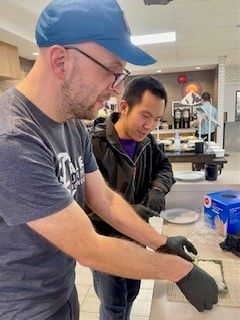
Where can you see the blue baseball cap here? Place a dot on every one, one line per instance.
(65, 22)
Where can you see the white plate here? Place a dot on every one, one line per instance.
(189, 175)
(180, 215)
(219, 153)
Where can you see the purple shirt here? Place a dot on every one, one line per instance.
(128, 146)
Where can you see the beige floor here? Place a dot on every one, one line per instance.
(88, 300)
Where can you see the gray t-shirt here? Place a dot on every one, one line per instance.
(42, 169)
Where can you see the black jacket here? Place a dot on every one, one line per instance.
(131, 178)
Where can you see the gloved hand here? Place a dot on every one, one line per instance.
(156, 200)
(175, 245)
(145, 212)
(199, 288)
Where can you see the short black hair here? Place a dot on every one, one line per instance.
(206, 96)
(135, 89)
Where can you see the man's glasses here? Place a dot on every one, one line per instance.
(119, 77)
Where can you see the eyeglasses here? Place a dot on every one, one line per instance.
(119, 77)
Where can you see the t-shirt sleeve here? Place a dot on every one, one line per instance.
(29, 187)
(90, 163)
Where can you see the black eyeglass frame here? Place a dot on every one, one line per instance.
(119, 77)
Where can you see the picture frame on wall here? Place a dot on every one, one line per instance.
(237, 106)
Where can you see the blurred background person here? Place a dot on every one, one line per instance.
(205, 111)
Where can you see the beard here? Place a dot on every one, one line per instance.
(78, 100)
(79, 104)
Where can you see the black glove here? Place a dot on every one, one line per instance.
(156, 200)
(199, 288)
(145, 212)
(232, 243)
(174, 245)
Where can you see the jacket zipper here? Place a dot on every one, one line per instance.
(133, 163)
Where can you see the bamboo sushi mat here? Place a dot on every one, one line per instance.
(231, 298)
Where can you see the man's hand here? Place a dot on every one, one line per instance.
(156, 200)
(145, 212)
(199, 288)
(175, 245)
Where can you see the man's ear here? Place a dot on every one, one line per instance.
(58, 61)
(123, 107)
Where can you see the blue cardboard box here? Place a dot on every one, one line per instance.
(222, 211)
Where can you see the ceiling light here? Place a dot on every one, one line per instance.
(198, 68)
(35, 54)
(159, 71)
(154, 38)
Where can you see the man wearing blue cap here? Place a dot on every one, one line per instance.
(47, 172)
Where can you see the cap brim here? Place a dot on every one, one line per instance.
(127, 51)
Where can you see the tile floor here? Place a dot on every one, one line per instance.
(89, 303)
(141, 309)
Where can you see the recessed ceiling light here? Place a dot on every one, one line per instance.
(154, 38)
(198, 68)
(159, 71)
(35, 54)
